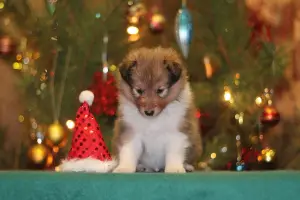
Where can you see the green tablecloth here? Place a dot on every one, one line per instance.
(277, 185)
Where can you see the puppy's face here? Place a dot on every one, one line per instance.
(151, 79)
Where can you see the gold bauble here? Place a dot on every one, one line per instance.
(38, 154)
(56, 135)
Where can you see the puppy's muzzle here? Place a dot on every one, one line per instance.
(149, 112)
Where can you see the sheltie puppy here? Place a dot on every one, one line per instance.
(156, 129)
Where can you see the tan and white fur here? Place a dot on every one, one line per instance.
(156, 128)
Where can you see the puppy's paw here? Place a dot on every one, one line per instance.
(189, 168)
(175, 169)
(124, 169)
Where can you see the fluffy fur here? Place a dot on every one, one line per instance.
(156, 127)
(87, 165)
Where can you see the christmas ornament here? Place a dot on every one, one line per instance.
(260, 31)
(40, 155)
(7, 45)
(88, 151)
(51, 5)
(268, 154)
(157, 23)
(270, 116)
(56, 136)
(106, 94)
(183, 29)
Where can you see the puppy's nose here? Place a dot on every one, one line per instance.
(149, 112)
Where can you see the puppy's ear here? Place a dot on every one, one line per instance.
(125, 69)
(174, 70)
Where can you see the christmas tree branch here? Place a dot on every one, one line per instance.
(52, 90)
(223, 51)
(63, 82)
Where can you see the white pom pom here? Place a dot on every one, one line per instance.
(86, 96)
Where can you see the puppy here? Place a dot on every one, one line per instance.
(156, 128)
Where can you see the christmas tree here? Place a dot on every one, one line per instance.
(58, 48)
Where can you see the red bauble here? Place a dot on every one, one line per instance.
(260, 31)
(270, 116)
(157, 23)
(7, 46)
(106, 93)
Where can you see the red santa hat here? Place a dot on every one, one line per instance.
(88, 152)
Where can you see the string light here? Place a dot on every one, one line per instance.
(132, 30)
(98, 15)
(105, 69)
(213, 155)
(70, 124)
(227, 96)
(57, 168)
(224, 149)
(240, 118)
(21, 118)
(17, 66)
(133, 20)
(258, 101)
(208, 67)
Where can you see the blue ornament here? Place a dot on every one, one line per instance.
(51, 4)
(183, 30)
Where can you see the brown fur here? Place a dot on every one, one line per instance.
(146, 69)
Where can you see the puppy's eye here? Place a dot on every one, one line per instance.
(138, 92)
(161, 92)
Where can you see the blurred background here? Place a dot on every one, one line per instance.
(243, 57)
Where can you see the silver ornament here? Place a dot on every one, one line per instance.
(183, 30)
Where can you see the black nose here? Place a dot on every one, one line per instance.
(149, 112)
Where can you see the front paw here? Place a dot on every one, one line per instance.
(175, 169)
(124, 169)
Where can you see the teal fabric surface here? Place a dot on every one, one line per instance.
(277, 185)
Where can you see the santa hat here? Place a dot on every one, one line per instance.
(88, 152)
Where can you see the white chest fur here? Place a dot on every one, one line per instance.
(155, 135)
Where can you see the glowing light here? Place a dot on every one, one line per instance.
(57, 168)
(208, 67)
(134, 38)
(227, 96)
(21, 118)
(19, 57)
(105, 69)
(70, 124)
(213, 155)
(26, 60)
(130, 3)
(258, 101)
(259, 158)
(113, 68)
(98, 15)
(224, 149)
(43, 86)
(1, 5)
(55, 149)
(269, 102)
(238, 137)
(198, 114)
(39, 141)
(17, 66)
(132, 30)
(133, 20)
